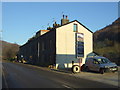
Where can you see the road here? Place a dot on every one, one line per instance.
(18, 75)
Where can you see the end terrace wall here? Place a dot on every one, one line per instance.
(65, 45)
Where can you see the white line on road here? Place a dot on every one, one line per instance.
(66, 86)
(6, 85)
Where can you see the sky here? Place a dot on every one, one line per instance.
(21, 20)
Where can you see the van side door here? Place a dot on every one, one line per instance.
(95, 65)
(89, 63)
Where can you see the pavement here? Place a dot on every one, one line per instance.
(108, 78)
(18, 75)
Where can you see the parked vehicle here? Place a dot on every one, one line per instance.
(24, 61)
(100, 64)
(19, 61)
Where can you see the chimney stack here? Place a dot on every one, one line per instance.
(64, 20)
(55, 25)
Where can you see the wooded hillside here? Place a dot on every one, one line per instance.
(9, 50)
(107, 41)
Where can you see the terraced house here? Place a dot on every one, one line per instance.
(62, 45)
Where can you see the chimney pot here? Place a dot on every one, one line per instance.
(63, 16)
(66, 16)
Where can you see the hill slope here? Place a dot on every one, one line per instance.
(106, 41)
(9, 50)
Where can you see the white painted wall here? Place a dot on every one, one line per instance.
(44, 31)
(65, 44)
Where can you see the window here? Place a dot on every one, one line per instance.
(38, 49)
(103, 60)
(43, 46)
(75, 28)
(95, 61)
(50, 44)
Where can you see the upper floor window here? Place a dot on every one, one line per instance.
(75, 29)
(43, 47)
(50, 44)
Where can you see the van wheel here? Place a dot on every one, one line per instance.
(87, 69)
(102, 71)
(75, 69)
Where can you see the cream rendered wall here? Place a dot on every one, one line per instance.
(43, 32)
(65, 40)
(65, 44)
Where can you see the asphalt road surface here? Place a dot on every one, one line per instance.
(18, 75)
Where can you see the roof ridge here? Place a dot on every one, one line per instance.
(78, 22)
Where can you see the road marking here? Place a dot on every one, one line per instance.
(66, 86)
(6, 85)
